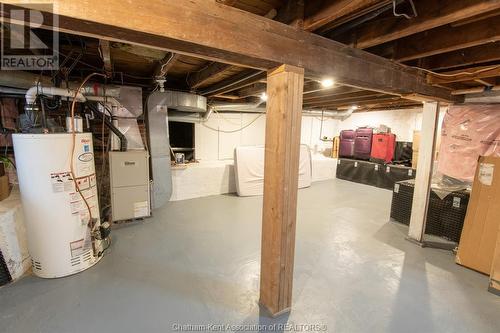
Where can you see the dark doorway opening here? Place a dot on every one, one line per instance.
(182, 138)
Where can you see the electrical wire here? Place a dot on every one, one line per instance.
(162, 69)
(233, 131)
(73, 146)
(406, 16)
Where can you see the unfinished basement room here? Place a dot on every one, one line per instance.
(250, 166)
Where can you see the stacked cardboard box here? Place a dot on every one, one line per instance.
(495, 269)
(335, 147)
(479, 235)
(416, 148)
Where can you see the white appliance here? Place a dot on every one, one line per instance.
(129, 178)
(56, 216)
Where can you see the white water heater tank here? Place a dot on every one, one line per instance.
(56, 216)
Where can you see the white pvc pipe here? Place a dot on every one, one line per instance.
(32, 92)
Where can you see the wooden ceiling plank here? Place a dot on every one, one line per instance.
(255, 89)
(347, 97)
(446, 39)
(465, 57)
(194, 27)
(348, 100)
(200, 78)
(431, 14)
(238, 81)
(374, 101)
(463, 75)
(334, 10)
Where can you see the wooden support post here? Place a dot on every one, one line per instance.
(281, 168)
(424, 173)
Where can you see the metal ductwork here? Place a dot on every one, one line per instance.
(185, 102)
(159, 147)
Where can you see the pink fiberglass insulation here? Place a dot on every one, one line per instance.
(468, 131)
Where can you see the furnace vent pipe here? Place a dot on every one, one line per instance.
(32, 92)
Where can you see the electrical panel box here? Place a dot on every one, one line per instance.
(130, 191)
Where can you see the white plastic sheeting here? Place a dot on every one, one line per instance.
(202, 179)
(217, 177)
(13, 241)
(249, 169)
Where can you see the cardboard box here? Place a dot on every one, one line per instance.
(416, 140)
(479, 234)
(335, 147)
(4, 187)
(414, 160)
(416, 148)
(495, 269)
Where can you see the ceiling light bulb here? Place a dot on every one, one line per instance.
(263, 96)
(354, 107)
(327, 83)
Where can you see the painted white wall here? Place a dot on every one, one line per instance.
(217, 138)
(213, 142)
(401, 122)
(212, 145)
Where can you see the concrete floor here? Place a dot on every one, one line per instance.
(197, 262)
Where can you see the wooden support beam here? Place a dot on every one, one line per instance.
(281, 171)
(334, 91)
(443, 39)
(369, 101)
(200, 78)
(106, 57)
(426, 155)
(431, 14)
(335, 10)
(194, 27)
(462, 75)
(352, 97)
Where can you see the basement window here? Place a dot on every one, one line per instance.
(182, 139)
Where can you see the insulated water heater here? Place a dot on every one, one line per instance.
(60, 240)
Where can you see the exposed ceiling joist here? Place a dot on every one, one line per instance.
(433, 14)
(335, 10)
(445, 39)
(464, 75)
(200, 78)
(194, 27)
(466, 57)
(361, 102)
(354, 99)
(488, 82)
(390, 105)
(336, 90)
(238, 81)
(254, 90)
(359, 95)
(292, 13)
